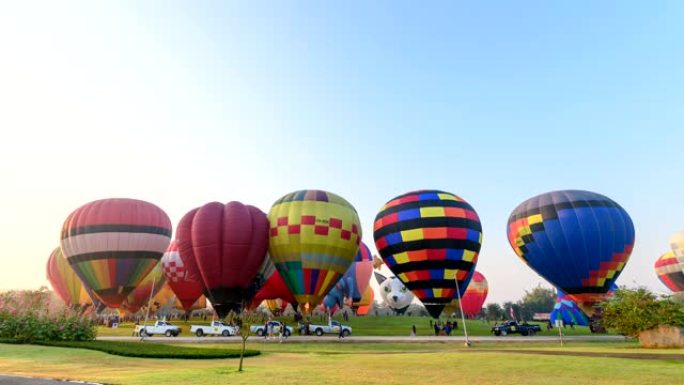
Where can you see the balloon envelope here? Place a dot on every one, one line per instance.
(274, 288)
(64, 281)
(148, 288)
(430, 240)
(670, 271)
(226, 246)
(186, 290)
(567, 310)
(473, 298)
(314, 237)
(579, 241)
(112, 244)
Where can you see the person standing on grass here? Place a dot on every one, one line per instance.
(413, 331)
(341, 334)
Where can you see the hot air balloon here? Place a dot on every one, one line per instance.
(354, 282)
(579, 241)
(274, 288)
(567, 310)
(187, 291)
(149, 287)
(670, 271)
(336, 296)
(366, 302)
(313, 240)
(430, 240)
(473, 297)
(112, 244)
(275, 306)
(225, 246)
(360, 272)
(677, 244)
(65, 282)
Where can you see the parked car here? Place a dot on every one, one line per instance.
(217, 328)
(512, 327)
(331, 328)
(159, 327)
(261, 331)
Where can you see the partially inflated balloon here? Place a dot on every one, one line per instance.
(64, 281)
(226, 246)
(473, 298)
(112, 244)
(314, 238)
(187, 291)
(430, 240)
(577, 240)
(275, 306)
(366, 302)
(360, 272)
(274, 288)
(148, 288)
(566, 310)
(670, 271)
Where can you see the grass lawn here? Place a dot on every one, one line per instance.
(369, 326)
(347, 363)
(152, 350)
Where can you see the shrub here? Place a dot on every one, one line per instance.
(29, 316)
(631, 311)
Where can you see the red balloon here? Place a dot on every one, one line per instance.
(187, 291)
(274, 288)
(226, 246)
(475, 295)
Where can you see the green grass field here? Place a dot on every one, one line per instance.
(369, 326)
(348, 363)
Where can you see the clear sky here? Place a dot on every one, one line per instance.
(180, 103)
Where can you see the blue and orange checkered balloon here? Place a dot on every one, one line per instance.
(430, 240)
(577, 240)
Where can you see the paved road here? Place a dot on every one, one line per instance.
(15, 380)
(368, 339)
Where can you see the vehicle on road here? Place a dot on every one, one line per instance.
(217, 328)
(159, 327)
(333, 327)
(275, 326)
(513, 327)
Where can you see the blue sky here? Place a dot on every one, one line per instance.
(181, 103)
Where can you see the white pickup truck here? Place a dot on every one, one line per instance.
(275, 325)
(332, 328)
(159, 327)
(217, 328)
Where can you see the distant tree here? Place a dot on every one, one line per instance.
(494, 312)
(517, 311)
(539, 300)
(631, 311)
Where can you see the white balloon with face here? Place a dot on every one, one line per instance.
(394, 293)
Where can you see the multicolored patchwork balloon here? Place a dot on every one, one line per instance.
(670, 270)
(566, 310)
(313, 240)
(64, 281)
(430, 240)
(579, 241)
(148, 288)
(112, 244)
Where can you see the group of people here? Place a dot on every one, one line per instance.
(270, 330)
(444, 328)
